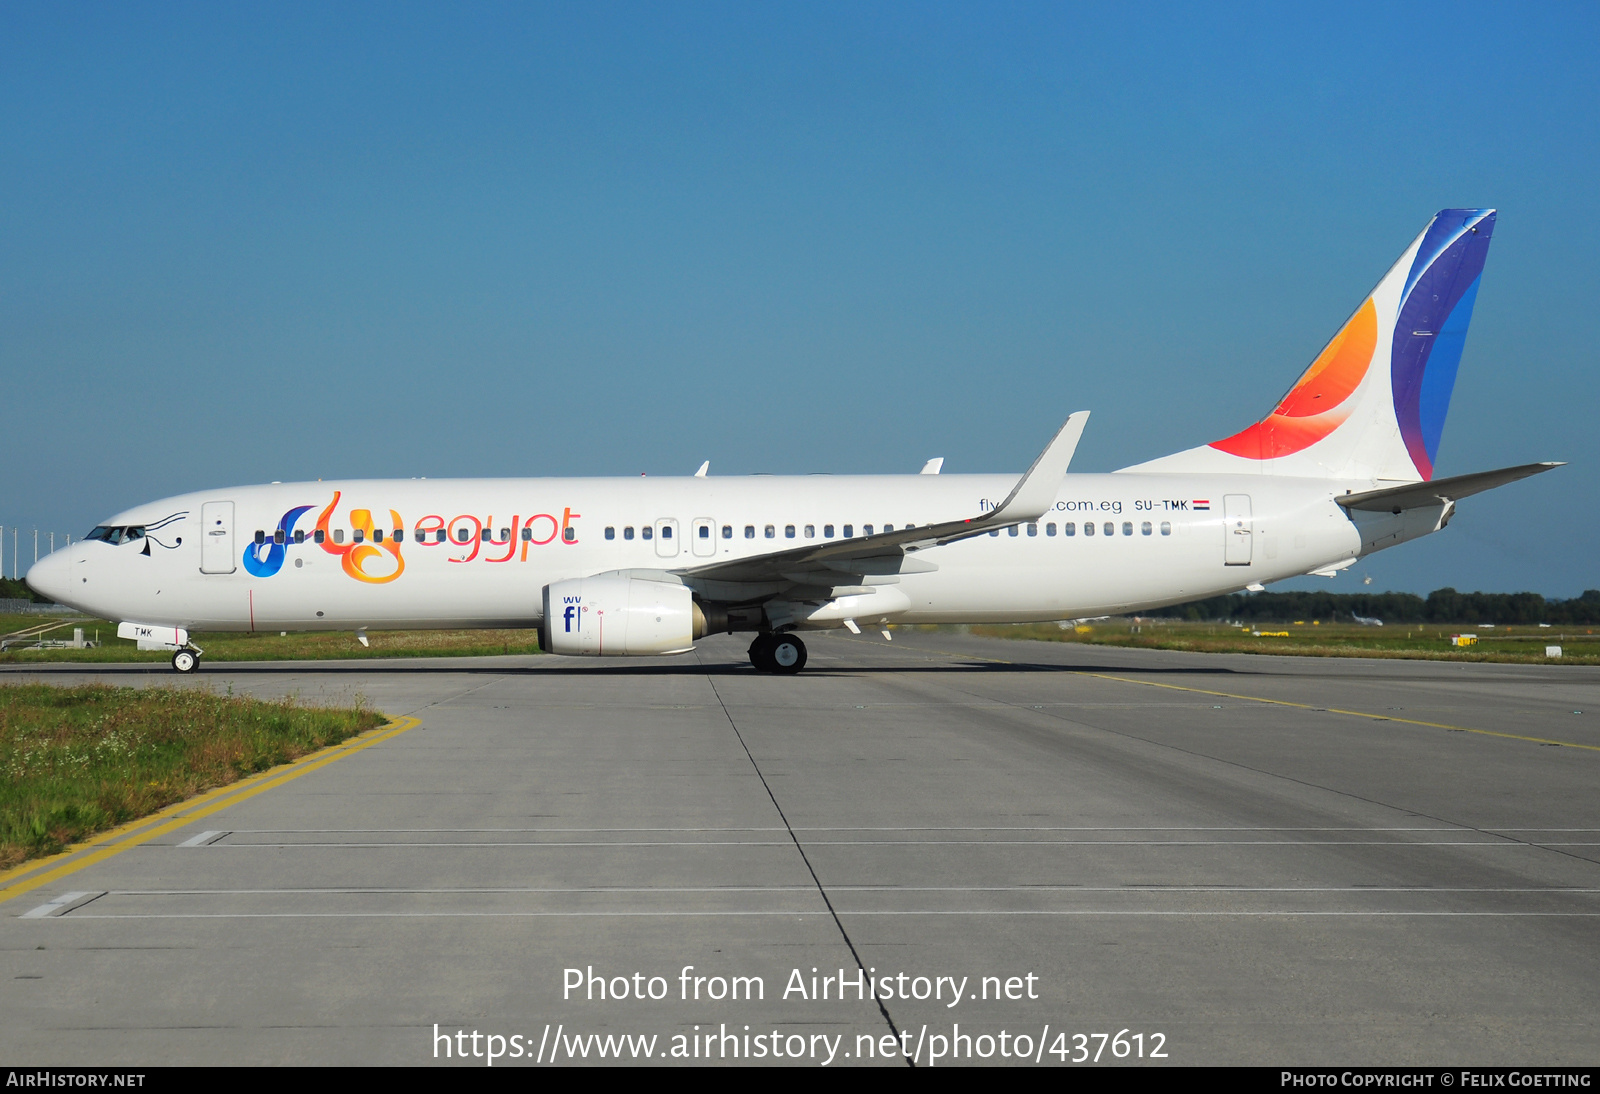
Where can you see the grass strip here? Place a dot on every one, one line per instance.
(271, 646)
(1505, 645)
(80, 760)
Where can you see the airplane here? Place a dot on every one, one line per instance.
(1341, 467)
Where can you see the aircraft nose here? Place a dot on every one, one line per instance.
(51, 576)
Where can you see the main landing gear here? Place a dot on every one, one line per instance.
(780, 653)
(186, 660)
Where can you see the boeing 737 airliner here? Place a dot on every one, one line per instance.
(1341, 467)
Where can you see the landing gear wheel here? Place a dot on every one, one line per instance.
(761, 653)
(186, 660)
(787, 654)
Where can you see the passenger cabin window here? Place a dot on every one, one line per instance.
(261, 537)
(1109, 528)
(788, 531)
(887, 528)
(399, 535)
(358, 536)
(461, 537)
(627, 531)
(278, 536)
(1033, 529)
(1012, 530)
(569, 534)
(666, 531)
(1127, 527)
(646, 532)
(827, 531)
(441, 537)
(299, 535)
(866, 529)
(1088, 527)
(611, 531)
(338, 535)
(727, 531)
(705, 531)
(770, 532)
(1145, 529)
(849, 530)
(811, 531)
(1050, 529)
(994, 531)
(319, 535)
(377, 535)
(1166, 527)
(750, 531)
(1069, 529)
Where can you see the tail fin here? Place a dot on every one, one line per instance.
(1372, 405)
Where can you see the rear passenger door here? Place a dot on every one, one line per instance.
(1237, 529)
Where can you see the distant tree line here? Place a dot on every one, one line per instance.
(15, 589)
(1440, 606)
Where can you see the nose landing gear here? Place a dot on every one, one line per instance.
(186, 660)
(778, 653)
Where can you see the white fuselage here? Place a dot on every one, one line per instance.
(1157, 540)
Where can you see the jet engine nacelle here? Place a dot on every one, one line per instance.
(618, 615)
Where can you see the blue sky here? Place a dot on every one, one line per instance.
(242, 243)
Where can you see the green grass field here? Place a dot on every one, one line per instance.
(1314, 638)
(296, 646)
(79, 760)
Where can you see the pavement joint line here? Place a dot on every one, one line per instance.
(1143, 890)
(798, 912)
(29, 876)
(804, 858)
(1489, 840)
(892, 828)
(1291, 703)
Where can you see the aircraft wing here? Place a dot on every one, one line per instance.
(835, 564)
(1421, 495)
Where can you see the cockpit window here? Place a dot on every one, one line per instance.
(119, 533)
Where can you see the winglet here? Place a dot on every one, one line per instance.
(700, 474)
(1034, 493)
(932, 466)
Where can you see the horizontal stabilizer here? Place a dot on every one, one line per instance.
(1421, 495)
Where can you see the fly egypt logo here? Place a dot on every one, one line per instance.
(572, 614)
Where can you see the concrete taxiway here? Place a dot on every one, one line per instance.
(1234, 859)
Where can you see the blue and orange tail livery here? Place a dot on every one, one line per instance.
(1373, 402)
